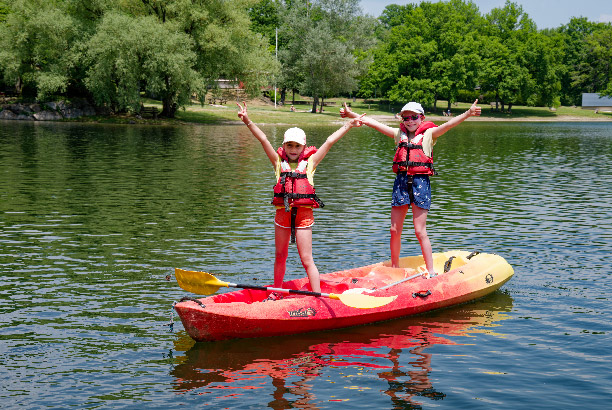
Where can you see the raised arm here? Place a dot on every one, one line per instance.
(346, 112)
(268, 148)
(335, 137)
(473, 111)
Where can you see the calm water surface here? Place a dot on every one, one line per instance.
(93, 218)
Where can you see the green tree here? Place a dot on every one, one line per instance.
(329, 69)
(168, 48)
(573, 35)
(432, 46)
(452, 26)
(601, 44)
(318, 45)
(4, 10)
(294, 27)
(594, 72)
(542, 56)
(122, 64)
(504, 69)
(393, 15)
(509, 22)
(265, 19)
(37, 48)
(501, 73)
(402, 57)
(224, 46)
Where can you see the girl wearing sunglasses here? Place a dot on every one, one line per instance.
(413, 164)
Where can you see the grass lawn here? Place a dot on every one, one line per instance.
(263, 112)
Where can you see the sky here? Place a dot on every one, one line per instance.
(545, 13)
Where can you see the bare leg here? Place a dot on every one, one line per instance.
(281, 242)
(419, 218)
(303, 239)
(398, 214)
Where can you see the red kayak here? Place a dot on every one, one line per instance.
(464, 277)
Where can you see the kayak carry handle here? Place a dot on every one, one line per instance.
(185, 298)
(447, 264)
(471, 255)
(421, 294)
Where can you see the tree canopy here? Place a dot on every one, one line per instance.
(114, 52)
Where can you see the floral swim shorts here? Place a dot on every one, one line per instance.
(417, 192)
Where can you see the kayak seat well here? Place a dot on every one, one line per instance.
(330, 286)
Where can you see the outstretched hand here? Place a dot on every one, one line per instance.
(346, 111)
(242, 113)
(474, 109)
(357, 121)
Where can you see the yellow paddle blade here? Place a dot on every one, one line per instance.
(360, 301)
(201, 283)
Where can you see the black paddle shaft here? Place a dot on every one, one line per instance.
(254, 287)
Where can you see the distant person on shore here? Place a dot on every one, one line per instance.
(294, 194)
(413, 164)
(292, 109)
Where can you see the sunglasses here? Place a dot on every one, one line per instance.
(411, 117)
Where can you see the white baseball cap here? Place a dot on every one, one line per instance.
(296, 135)
(414, 107)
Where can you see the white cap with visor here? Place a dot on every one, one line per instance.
(414, 107)
(296, 135)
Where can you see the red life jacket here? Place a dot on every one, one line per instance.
(293, 188)
(410, 157)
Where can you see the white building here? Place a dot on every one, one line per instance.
(593, 101)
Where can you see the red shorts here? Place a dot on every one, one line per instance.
(303, 219)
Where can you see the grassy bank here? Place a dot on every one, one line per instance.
(264, 112)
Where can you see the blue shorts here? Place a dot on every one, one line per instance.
(419, 192)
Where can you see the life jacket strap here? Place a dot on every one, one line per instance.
(413, 164)
(297, 175)
(289, 195)
(409, 181)
(409, 145)
(293, 216)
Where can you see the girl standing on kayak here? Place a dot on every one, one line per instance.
(413, 164)
(294, 194)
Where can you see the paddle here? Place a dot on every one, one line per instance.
(447, 267)
(401, 281)
(206, 284)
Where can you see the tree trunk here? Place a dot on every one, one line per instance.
(293, 97)
(283, 95)
(168, 106)
(315, 102)
(18, 86)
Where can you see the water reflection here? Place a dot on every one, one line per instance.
(400, 352)
(93, 217)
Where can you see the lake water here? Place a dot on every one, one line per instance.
(94, 217)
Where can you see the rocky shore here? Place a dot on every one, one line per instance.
(48, 111)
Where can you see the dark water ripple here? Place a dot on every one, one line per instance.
(93, 218)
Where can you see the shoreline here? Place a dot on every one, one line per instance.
(264, 113)
(561, 118)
